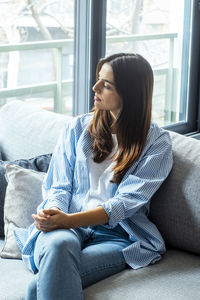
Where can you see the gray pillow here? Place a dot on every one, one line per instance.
(175, 207)
(39, 163)
(23, 195)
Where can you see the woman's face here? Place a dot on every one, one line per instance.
(106, 96)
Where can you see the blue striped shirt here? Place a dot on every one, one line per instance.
(67, 183)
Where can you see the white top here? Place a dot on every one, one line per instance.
(100, 175)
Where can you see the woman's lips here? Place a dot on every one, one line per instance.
(97, 98)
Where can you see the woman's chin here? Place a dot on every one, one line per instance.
(98, 104)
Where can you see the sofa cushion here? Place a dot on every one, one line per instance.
(175, 208)
(39, 163)
(23, 195)
(28, 131)
(14, 278)
(176, 276)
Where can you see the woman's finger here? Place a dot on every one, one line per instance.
(43, 227)
(39, 219)
(51, 211)
(42, 213)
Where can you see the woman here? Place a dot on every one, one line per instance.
(105, 169)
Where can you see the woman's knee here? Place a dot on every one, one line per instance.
(57, 242)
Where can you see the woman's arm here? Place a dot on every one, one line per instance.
(51, 219)
(141, 181)
(57, 185)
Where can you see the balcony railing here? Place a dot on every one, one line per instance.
(54, 86)
(58, 85)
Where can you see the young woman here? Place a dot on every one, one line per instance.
(105, 169)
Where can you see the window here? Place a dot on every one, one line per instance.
(160, 31)
(51, 49)
(39, 70)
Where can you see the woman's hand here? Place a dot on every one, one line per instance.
(50, 219)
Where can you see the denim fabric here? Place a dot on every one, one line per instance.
(70, 260)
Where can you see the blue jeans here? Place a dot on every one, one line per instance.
(70, 260)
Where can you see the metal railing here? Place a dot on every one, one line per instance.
(53, 86)
(57, 86)
(169, 72)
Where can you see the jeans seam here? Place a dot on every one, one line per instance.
(38, 279)
(38, 290)
(101, 267)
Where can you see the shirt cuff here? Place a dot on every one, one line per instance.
(115, 211)
(56, 203)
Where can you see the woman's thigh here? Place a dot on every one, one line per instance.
(100, 252)
(55, 241)
(102, 257)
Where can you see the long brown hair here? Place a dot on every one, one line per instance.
(133, 78)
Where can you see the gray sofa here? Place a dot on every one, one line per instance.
(27, 131)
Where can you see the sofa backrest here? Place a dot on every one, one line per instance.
(27, 131)
(175, 208)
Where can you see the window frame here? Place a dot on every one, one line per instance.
(80, 103)
(97, 49)
(89, 47)
(98, 41)
(191, 126)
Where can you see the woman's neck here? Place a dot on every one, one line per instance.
(113, 129)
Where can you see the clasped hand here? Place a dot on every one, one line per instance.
(50, 219)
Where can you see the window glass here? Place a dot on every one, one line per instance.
(33, 21)
(158, 30)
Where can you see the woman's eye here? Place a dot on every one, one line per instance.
(106, 85)
(103, 83)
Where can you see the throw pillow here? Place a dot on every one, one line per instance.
(39, 163)
(23, 195)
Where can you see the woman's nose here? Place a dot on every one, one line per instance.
(96, 86)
